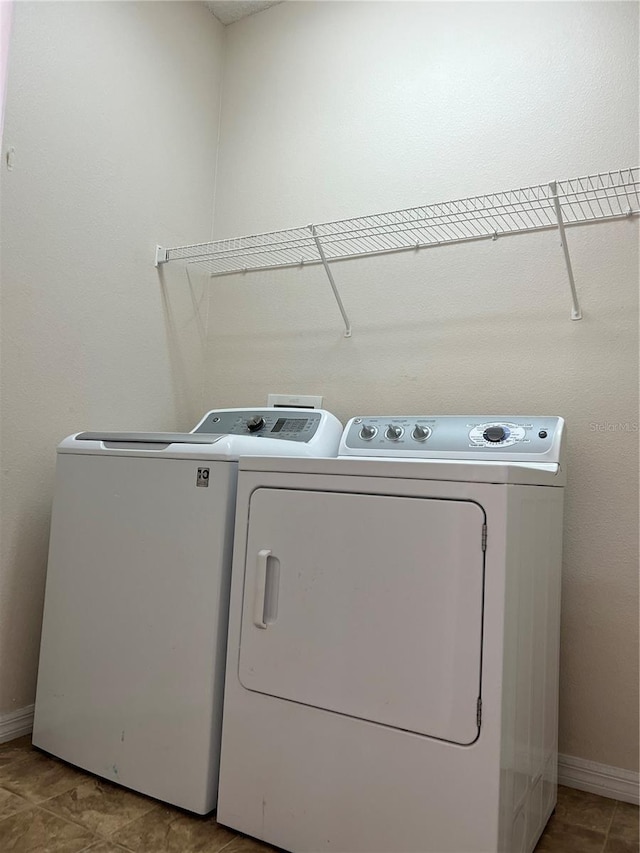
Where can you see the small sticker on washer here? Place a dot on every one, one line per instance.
(202, 479)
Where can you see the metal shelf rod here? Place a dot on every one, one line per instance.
(419, 246)
(327, 269)
(576, 313)
(601, 197)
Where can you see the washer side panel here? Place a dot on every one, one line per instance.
(131, 673)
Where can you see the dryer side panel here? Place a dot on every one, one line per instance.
(368, 606)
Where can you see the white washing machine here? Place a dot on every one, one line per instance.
(135, 618)
(392, 669)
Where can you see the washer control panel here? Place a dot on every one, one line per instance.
(453, 436)
(288, 424)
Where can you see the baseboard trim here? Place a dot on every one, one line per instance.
(599, 779)
(16, 723)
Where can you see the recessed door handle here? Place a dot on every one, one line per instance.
(260, 588)
(267, 587)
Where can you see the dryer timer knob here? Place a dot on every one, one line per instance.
(494, 433)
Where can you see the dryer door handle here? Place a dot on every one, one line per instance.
(260, 588)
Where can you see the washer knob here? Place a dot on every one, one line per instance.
(367, 432)
(421, 433)
(494, 433)
(255, 423)
(393, 432)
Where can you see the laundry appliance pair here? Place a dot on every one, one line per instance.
(392, 660)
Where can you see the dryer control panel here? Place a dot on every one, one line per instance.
(288, 424)
(490, 437)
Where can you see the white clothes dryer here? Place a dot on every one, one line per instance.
(392, 670)
(134, 630)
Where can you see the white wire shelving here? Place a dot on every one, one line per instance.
(556, 205)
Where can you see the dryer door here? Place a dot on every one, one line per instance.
(366, 605)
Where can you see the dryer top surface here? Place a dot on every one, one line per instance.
(463, 471)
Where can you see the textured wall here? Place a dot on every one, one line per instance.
(341, 109)
(113, 113)
(6, 10)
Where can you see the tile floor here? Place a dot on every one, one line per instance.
(47, 806)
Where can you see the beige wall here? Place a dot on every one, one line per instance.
(341, 109)
(329, 110)
(113, 113)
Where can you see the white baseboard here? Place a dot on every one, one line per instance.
(599, 779)
(16, 723)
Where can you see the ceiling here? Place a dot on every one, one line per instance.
(228, 11)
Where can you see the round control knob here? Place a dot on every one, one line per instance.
(420, 433)
(255, 423)
(393, 432)
(494, 433)
(367, 432)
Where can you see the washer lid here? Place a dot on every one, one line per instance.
(148, 437)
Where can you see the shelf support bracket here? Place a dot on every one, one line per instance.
(325, 264)
(161, 256)
(576, 313)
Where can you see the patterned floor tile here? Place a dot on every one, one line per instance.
(562, 837)
(166, 830)
(243, 844)
(626, 823)
(149, 832)
(23, 742)
(580, 808)
(101, 807)
(14, 749)
(37, 831)
(11, 803)
(619, 845)
(37, 776)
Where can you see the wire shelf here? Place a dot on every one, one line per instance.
(603, 196)
(592, 198)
